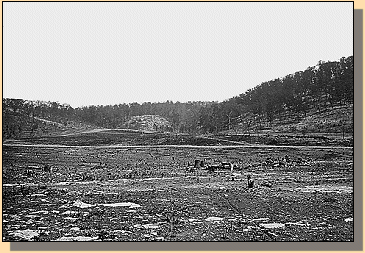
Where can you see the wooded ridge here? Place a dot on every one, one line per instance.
(318, 99)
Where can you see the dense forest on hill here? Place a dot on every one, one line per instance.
(320, 89)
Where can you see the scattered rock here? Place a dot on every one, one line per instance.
(122, 204)
(326, 188)
(214, 219)
(261, 219)
(63, 183)
(81, 204)
(77, 238)
(123, 231)
(38, 195)
(25, 234)
(150, 226)
(266, 184)
(30, 221)
(272, 225)
(69, 212)
(43, 212)
(296, 224)
(70, 218)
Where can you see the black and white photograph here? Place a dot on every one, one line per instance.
(178, 121)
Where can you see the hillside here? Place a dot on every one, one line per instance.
(331, 120)
(18, 125)
(338, 119)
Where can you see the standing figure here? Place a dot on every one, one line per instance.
(232, 176)
(250, 182)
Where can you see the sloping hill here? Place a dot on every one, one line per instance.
(330, 120)
(20, 125)
(338, 119)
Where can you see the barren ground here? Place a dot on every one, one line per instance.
(159, 200)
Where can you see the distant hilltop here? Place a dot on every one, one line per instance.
(149, 123)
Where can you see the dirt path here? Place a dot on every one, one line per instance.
(78, 132)
(172, 146)
(49, 122)
(218, 139)
(104, 130)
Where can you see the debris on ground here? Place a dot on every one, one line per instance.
(77, 238)
(122, 204)
(214, 219)
(26, 234)
(150, 226)
(305, 203)
(272, 225)
(261, 219)
(81, 204)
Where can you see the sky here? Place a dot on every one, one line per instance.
(95, 53)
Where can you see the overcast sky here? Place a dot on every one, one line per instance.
(119, 52)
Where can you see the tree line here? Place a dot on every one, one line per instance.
(325, 85)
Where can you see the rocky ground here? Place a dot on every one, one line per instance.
(99, 193)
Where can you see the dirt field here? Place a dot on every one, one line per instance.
(144, 194)
(129, 137)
